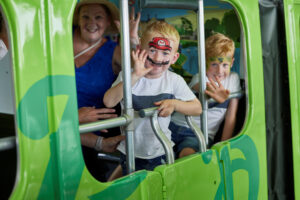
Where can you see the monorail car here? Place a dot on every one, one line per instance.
(262, 161)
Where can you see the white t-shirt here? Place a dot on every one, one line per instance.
(215, 115)
(144, 93)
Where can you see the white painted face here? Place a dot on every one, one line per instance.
(219, 66)
(161, 54)
(93, 22)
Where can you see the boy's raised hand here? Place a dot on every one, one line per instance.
(217, 92)
(166, 107)
(139, 58)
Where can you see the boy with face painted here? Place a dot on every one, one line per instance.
(219, 51)
(154, 85)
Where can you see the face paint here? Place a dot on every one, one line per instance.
(155, 63)
(220, 59)
(160, 43)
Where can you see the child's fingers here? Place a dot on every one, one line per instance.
(133, 54)
(212, 82)
(142, 54)
(210, 87)
(209, 93)
(157, 103)
(219, 82)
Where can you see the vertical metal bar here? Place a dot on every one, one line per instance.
(202, 69)
(125, 44)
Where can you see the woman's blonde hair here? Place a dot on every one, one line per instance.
(218, 45)
(166, 30)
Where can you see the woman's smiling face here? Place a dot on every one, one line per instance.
(93, 22)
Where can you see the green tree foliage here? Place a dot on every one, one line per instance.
(186, 26)
(231, 25)
(213, 25)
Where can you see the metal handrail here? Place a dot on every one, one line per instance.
(7, 143)
(147, 112)
(233, 95)
(104, 124)
(174, 4)
(167, 145)
(197, 131)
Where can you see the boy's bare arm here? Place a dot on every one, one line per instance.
(113, 96)
(230, 119)
(168, 106)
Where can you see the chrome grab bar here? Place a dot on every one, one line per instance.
(167, 145)
(104, 124)
(197, 131)
(174, 4)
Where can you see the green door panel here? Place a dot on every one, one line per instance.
(193, 177)
(292, 24)
(139, 185)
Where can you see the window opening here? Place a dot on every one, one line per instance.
(8, 152)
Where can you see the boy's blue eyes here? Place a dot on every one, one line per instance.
(165, 53)
(225, 65)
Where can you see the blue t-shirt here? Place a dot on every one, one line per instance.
(95, 77)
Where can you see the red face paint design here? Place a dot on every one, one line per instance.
(160, 43)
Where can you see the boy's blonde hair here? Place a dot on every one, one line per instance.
(166, 30)
(218, 45)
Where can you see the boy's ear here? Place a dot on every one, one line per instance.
(232, 62)
(175, 57)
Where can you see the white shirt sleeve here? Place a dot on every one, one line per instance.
(182, 91)
(234, 83)
(194, 80)
(118, 80)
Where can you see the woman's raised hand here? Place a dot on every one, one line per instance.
(134, 26)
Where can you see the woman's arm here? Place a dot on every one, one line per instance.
(134, 40)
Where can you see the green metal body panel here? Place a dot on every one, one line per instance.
(51, 164)
(292, 26)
